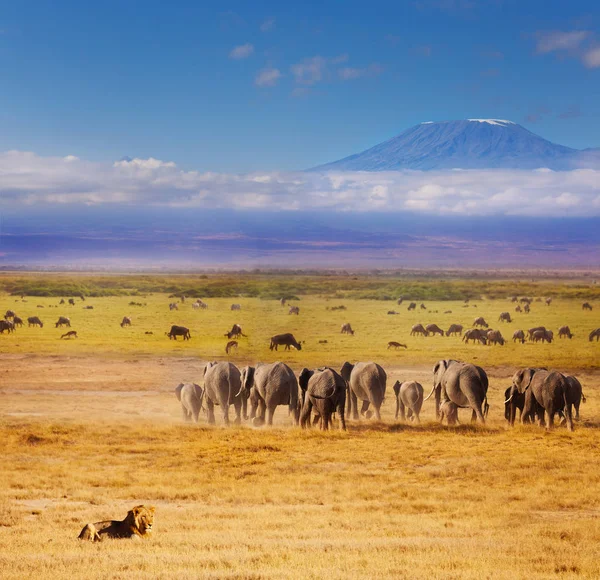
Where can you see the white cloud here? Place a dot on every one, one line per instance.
(267, 77)
(267, 25)
(556, 40)
(310, 70)
(241, 51)
(591, 58)
(30, 179)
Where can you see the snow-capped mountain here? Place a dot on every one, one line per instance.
(467, 144)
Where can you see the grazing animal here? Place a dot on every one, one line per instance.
(447, 311)
(62, 301)
(322, 342)
(236, 307)
(392, 312)
(527, 309)
(8, 325)
(586, 306)
(40, 306)
(190, 396)
(63, 320)
(595, 334)
(195, 305)
(409, 400)
(347, 329)
(565, 331)
(400, 300)
(294, 310)
(480, 322)
(455, 329)
(518, 309)
(418, 329)
(434, 329)
(71, 302)
(412, 306)
(70, 334)
(90, 307)
(495, 337)
(475, 335)
(223, 387)
(148, 332)
(126, 321)
(287, 339)
(514, 299)
(35, 321)
(9, 314)
(282, 301)
(179, 331)
(396, 345)
(543, 335)
(235, 332)
(17, 321)
(548, 301)
(532, 330)
(173, 306)
(423, 307)
(231, 345)
(138, 522)
(519, 335)
(505, 317)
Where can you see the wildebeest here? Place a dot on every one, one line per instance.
(565, 331)
(347, 328)
(455, 329)
(236, 307)
(543, 335)
(6, 325)
(586, 306)
(9, 314)
(527, 309)
(17, 321)
(126, 321)
(423, 307)
(532, 330)
(63, 320)
(392, 312)
(62, 301)
(71, 302)
(294, 310)
(505, 317)
(231, 345)
(475, 334)
(236, 330)
(178, 331)
(35, 321)
(70, 334)
(434, 329)
(518, 309)
(173, 306)
(412, 306)
(90, 307)
(396, 345)
(519, 335)
(548, 301)
(595, 334)
(480, 322)
(287, 339)
(495, 337)
(418, 329)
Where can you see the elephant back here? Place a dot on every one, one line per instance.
(325, 384)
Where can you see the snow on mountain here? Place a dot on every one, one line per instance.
(466, 144)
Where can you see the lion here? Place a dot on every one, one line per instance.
(139, 522)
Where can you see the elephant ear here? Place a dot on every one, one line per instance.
(441, 365)
(396, 387)
(524, 378)
(178, 391)
(304, 377)
(248, 377)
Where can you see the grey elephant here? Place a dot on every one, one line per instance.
(324, 390)
(548, 389)
(190, 396)
(409, 400)
(222, 386)
(367, 383)
(449, 411)
(268, 386)
(574, 393)
(463, 384)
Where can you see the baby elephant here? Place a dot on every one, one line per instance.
(449, 411)
(190, 395)
(409, 400)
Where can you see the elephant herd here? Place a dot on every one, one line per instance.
(317, 395)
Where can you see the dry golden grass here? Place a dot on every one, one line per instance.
(382, 500)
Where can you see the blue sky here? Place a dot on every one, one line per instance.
(255, 86)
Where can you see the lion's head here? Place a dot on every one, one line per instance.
(141, 519)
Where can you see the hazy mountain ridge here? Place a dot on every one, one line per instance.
(466, 144)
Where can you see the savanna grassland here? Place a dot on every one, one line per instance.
(90, 427)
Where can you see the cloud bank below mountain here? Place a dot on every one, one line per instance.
(27, 179)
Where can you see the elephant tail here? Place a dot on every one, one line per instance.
(486, 407)
(583, 399)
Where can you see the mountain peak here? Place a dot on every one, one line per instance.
(464, 144)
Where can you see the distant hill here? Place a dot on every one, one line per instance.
(467, 144)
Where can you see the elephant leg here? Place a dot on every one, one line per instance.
(348, 401)
(305, 415)
(354, 405)
(415, 416)
(325, 421)
(245, 408)
(402, 412)
(186, 415)
(576, 405)
(237, 406)
(259, 419)
(225, 410)
(473, 416)
(340, 410)
(364, 408)
(397, 407)
(317, 419)
(270, 413)
(210, 411)
(569, 416)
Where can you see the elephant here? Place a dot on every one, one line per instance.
(463, 384)
(511, 405)
(190, 395)
(574, 393)
(449, 411)
(223, 386)
(325, 390)
(409, 399)
(548, 389)
(271, 385)
(367, 383)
